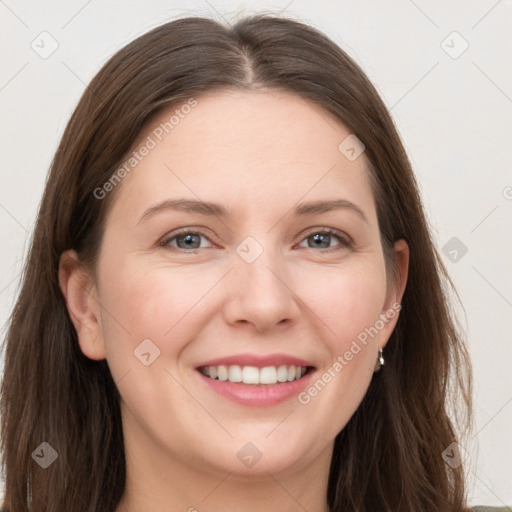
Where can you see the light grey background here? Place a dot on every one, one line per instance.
(453, 109)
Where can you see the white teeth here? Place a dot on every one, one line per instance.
(235, 373)
(268, 375)
(253, 374)
(222, 372)
(282, 374)
(250, 375)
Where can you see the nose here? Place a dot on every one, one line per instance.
(261, 294)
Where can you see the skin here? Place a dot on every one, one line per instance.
(258, 154)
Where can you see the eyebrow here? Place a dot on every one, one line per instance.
(217, 210)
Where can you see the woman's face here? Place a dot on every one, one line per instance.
(272, 275)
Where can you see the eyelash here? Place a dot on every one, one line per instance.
(345, 241)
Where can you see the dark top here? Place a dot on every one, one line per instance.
(483, 508)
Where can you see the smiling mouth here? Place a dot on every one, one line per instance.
(268, 375)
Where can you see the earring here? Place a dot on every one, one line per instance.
(380, 361)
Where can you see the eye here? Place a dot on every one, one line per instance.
(185, 239)
(322, 239)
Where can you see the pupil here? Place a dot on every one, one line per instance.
(187, 239)
(320, 238)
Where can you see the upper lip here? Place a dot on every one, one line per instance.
(260, 361)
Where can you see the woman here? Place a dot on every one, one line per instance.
(232, 299)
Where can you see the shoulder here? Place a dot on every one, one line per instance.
(483, 508)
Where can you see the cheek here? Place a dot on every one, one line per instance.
(346, 300)
(150, 302)
(348, 303)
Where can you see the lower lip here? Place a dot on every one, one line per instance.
(258, 395)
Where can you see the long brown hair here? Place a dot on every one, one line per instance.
(389, 457)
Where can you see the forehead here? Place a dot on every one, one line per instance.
(254, 149)
(261, 125)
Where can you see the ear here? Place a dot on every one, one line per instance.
(79, 291)
(395, 292)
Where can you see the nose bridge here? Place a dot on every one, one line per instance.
(261, 293)
(258, 263)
